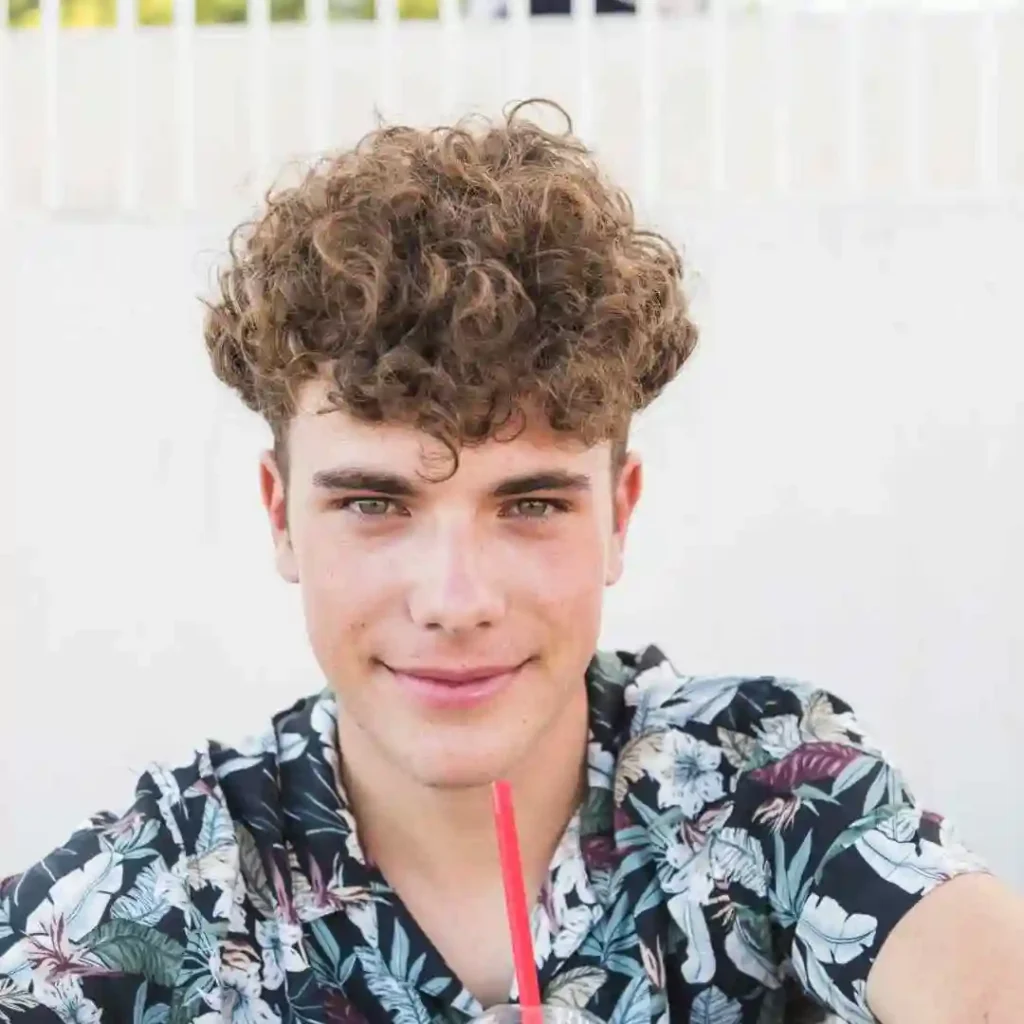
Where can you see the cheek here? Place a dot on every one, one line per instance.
(341, 585)
(569, 574)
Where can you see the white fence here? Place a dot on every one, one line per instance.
(864, 101)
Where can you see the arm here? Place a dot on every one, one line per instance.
(955, 958)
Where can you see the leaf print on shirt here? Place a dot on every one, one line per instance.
(214, 863)
(749, 946)
(649, 694)
(12, 999)
(810, 762)
(634, 760)
(822, 723)
(130, 836)
(741, 751)
(254, 872)
(575, 988)
(830, 934)
(856, 771)
(713, 1006)
(700, 963)
(634, 1005)
(676, 855)
(155, 892)
(817, 983)
(143, 1013)
(916, 866)
(736, 857)
(791, 887)
(665, 700)
(339, 1009)
(612, 939)
(393, 981)
(128, 947)
(779, 735)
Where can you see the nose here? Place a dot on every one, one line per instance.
(454, 589)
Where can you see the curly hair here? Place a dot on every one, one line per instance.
(454, 279)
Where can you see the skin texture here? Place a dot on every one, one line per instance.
(956, 958)
(451, 575)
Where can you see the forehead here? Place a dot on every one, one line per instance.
(321, 437)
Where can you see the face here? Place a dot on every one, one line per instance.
(454, 619)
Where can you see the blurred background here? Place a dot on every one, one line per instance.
(834, 484)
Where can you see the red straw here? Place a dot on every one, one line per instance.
(515, 902)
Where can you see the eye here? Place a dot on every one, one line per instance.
(370, 508)
(535, 508)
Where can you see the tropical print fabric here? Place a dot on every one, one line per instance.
(738, 836)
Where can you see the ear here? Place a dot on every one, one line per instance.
(625, 496)
(274, 494)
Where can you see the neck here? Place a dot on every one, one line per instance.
(452, 830)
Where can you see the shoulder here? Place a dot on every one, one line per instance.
(765, 793)
(768, 747)
(114, 905)
(748, 720)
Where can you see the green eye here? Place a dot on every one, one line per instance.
(371, 508)
(536, 508)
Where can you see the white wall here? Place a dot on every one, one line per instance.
(834, 493)
(834, 486)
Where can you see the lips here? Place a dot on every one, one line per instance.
(454, 688)
(456, 677)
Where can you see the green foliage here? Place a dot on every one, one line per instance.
(103, 13)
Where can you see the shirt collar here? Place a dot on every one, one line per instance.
(327, 867)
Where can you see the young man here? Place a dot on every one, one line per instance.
(448, 333)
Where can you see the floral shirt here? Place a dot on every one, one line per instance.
(738, 837)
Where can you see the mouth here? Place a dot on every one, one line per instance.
(444, 687)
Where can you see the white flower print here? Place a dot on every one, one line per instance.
(689, 776)
(238, 995)
(686, 871)
(280, 944)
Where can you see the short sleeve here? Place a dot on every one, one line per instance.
(96, 930)
(849, 850)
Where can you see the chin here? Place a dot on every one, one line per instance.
(466, 772)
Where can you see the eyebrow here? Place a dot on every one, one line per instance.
(552, 480)
(379, 481)
(394, 485)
